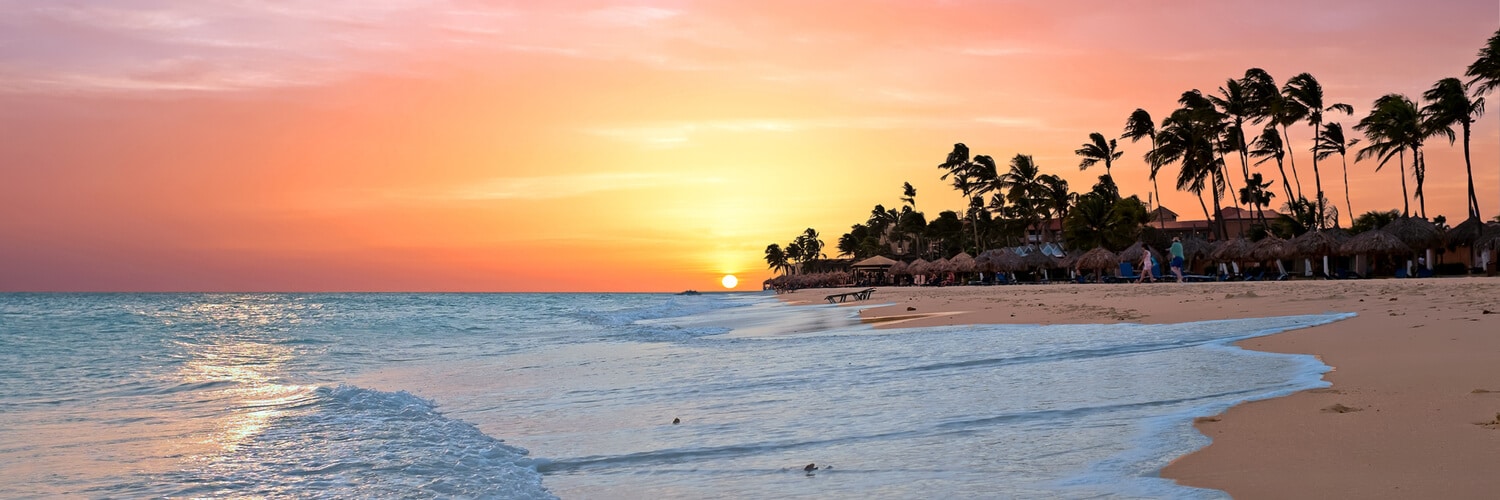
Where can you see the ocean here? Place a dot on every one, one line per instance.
(574, 396)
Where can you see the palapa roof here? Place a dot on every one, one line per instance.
(1316, 244)
(1194, 246)
(963, 263)
(1465, 233)
(900, 268)
(1415, 233)
(1098, 258)
(876, 261)
(919, 266)
(1135, 252)
(1231, 250)
(1490, 238)
(1036, 259)
(1375, 242)
(1271, 248)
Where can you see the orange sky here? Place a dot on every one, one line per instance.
(480, 146)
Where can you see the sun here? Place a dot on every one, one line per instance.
(730, 281)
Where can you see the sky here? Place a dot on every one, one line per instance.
(405, 145)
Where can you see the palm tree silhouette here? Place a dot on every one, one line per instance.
(1272, 105)
(1023, 188)
(776, 259)
(1449, 103)
(1332, 141)
(1392, 126)
(1269, 146)
(1235, 99)
(1256, 195)
(1184, 139)
(1098, 149)
(1485, 71)
(1307, 93)
(1137, 126)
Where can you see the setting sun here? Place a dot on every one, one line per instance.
(730, 281)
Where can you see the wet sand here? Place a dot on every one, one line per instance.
(1414, 410)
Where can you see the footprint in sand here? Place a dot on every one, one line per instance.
(1340, 408)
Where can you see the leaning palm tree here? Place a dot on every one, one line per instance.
(1332, 141)
(1137, 126)
(1097, 150)
(1023, 188)
(1186, 139)
(1272, 104)
(1236, 100)
(1269, 146)
(1485, 71)
(1256, 195)
(776, 259)
(1392, 126)
(1449, 103)
(1305, 90)
(909, 194)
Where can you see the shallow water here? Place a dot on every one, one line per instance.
(535, 395)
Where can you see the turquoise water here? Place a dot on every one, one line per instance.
(573, 396)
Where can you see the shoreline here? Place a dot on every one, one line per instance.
(1414, 376)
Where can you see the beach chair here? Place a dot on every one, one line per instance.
(1423, 272)
(1401, 273)
(1127, 274)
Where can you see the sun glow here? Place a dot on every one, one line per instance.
(730, 281)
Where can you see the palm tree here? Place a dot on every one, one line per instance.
(1189, 141)
(1137, 126)
(1269, 146)
(776, 259)
(1332, 141)
(812, 244)
(909, 194)
(1392, 126)
(1449, 103)
(1218, 129)
(1256, 195)
(1272, 105)
(1023, 188)
(1055, 197)
(1307, 93)
(1236, 100)
(1485, 71)
(1098, 150)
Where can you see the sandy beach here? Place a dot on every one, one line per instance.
(1414, 410)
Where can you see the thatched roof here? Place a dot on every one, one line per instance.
(1490, 238)
(1465, 233)
(899, 269)
(876, 261)
(963, 263)
(1194, 246)
(1375, 242)
(940, 266)
(1316, 244)
(919, 266)
(1067, 260)
(1137, 251)
(1231, 250)
(1415, 233)
(1098, 258)
(1271, 248)
(1036, 259)
(1005, 260)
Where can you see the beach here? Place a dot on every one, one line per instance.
(1413, 406)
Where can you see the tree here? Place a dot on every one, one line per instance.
(1236, 100)
(1392, 126)
(1332, 141)
(812, 244)
(1307, 93)
(1186, 139)
(1097, 220)
(1098, 150)
(1137, 126)
(1023, 188)
(1256, 195)
(1272, 105)
(1372, 220)
(1268, 146)
(1449, 103)
(1056, 197)
(776, 259)
(1485, 71)
(909, 194)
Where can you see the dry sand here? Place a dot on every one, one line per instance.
(1414, 410)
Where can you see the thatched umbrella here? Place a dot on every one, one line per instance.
(1271, 248)
(1315, 244)
(1490, 238)
(1415, 233)
(900, 269)
(1465, 233)
(963, 263)
(1006, 260)
(918, 267)
(1035, 259)
(1194, 247)
(983, 263)
(1136, 252)
(1234, 250)
(940, 266)
(1375, 243)
(1098, 258)
(1068, 260)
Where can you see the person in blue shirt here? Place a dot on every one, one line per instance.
(1177, 257)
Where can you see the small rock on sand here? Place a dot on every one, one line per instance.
(1340, 408)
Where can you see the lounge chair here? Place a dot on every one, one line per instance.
(1401, 273)
(1127, 274)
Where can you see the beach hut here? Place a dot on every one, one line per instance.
(899, 269)
(1036, 260)
(1272, 248)
(1230, 252)
(1097, 259)
(919, 269)
(962, 263)
(1420, 235)
(1465, 234)
(1375, 243)
(874, 268)
(1316, 244)
(1136, 252)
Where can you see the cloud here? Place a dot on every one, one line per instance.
(564, 186)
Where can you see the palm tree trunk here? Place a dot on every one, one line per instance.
(1286, 141)
(1347, 202)
(1206, 215)
(1318, 184)
(1287, 185)
(1420, 167)
(1405, 198)
(1160, 224)
(1469, 167)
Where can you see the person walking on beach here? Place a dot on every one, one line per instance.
(1177, 257)
(1148, 262)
